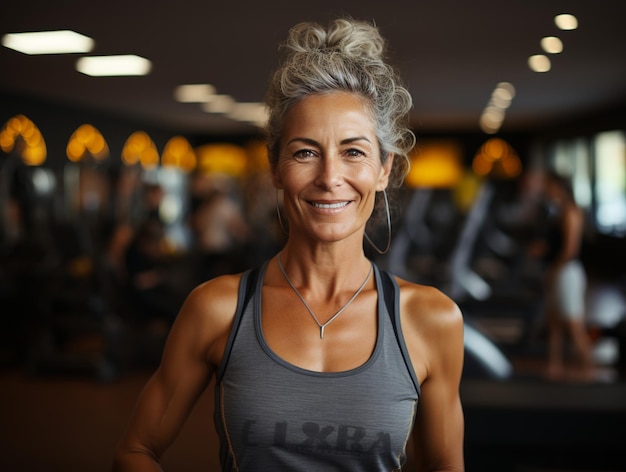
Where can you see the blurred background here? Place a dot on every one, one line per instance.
(133, 167)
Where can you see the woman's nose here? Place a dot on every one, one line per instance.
(329, 173)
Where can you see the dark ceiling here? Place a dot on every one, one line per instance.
(450, 53)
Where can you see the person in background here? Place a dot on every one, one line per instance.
(321, 360)
(220, 235)
(150, 294)
(565, 278)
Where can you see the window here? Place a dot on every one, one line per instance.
(571, 159)
(610, 187)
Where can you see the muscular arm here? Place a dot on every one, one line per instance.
(435, 343)
(192, 352)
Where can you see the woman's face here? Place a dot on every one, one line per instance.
(329, 166)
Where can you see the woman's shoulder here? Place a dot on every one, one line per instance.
(212, 304)
(426, 306)
(432, 325)
(204, 321)
(215, 294)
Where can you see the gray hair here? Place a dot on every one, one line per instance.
(348, 56)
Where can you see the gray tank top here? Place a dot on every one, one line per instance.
(273, 416)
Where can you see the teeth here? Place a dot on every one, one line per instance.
(330, 205)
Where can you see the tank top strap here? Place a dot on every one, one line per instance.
(391, 296)
(247, 287)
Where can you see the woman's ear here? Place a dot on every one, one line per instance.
(385, 172)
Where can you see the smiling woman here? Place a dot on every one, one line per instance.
(330, 167)
(320, 357)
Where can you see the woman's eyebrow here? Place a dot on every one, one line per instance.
(313, 142)
(309, 141)
(357, 138)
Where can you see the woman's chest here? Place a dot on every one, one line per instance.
(313, 337)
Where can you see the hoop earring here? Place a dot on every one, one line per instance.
(376, 248)
(280, 219)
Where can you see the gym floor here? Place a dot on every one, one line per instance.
(525, 424)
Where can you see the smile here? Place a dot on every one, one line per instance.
(329, 206)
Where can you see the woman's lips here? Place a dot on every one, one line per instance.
(329, 206)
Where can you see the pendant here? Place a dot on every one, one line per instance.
(322, 332)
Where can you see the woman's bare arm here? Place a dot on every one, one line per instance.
(192, 353)
(435, 342)
(572, 233)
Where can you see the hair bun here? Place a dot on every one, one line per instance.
(354, 39)
(348, 56)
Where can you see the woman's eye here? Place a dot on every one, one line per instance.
(355, 153)
(304, 154)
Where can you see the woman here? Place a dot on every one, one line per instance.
(566, 281)
(320, 358)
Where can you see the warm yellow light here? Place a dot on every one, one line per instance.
(496, 158)
(467, 190)
(86, 140)
(481, 166)
(566, 21)
(179, 153)
(35, 155)
(511, 166)
(139, 148)
(435, 164)
(226, 159)
(495, 149)
(20, 135)
(150, 158)
(258, 160)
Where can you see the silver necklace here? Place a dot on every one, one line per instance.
(341, 310)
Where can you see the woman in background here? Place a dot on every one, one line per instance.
(566, 281)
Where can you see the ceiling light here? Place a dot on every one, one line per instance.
(194, 93)
(503, 94)
(101, 66)
(48, 42)
(566, 21)
(500, 100)
(552, 45)
(539, 63)
(219, 104)
(253, 112)
(494, 113)
(489, 125)
(505, 87)
(491, 119)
